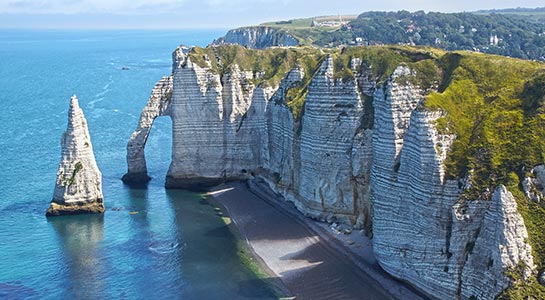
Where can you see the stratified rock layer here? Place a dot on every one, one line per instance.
(501, 243)
(157, 105)
(423, 233)
(361, 153)
(78, 189)
(258, 37)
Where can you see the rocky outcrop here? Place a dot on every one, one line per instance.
(364, 154)
(411, 200)
(258, 37)
(501, 244)
(534, 185)
(331, 117)
(78, 189)
(224, 113)
(157, 105)
(423, 233)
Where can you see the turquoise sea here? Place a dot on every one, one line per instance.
(173, 247)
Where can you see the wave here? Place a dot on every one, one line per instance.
(164, 247)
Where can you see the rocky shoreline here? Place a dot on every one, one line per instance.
(95, 207)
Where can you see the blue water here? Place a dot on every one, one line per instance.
(174, 247)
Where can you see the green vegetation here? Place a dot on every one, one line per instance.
(495, 106)
(522, 289)
(303, 30)
(77, 168)
(68, 181)
(483, 98)
(517, 36)
(380, 62)
(295, 96)
(537, 14)
(516, 33)
(273, 64)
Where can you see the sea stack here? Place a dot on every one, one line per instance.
(78, 189)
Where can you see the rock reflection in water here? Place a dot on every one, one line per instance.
(79, 237)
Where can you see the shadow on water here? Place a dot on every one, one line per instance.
(212, 264)
(138, 199)
(79, 237)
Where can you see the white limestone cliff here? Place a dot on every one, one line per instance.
(534, 185)
(157, 105)
(378, 167)
(78, 189)
(500, 245)
(423, 233)
(258, 37)
(331, 117)
(224, 113)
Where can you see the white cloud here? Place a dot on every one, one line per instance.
(86, 6)
(209, 13)
(128, 6)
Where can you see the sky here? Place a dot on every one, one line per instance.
(176, 14)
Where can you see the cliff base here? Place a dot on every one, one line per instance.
(132, 179)
(56, 209)
(197, 183)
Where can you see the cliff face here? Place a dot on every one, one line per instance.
(157, 105)
(363, 153)
(258, 37)
(423, 233)
(78, 189)
(225, 114)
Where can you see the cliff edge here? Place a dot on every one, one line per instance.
(413, 145)
(258, 37)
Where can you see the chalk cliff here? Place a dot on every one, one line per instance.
(78, 189)
(258, 37)
(363, 150)
(157, 105)
(423, 233)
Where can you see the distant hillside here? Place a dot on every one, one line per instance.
(537, 14)
(511, 32)
(510, 35)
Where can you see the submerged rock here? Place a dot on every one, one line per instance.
(78, 189)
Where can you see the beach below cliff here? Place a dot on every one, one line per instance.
(312, 260)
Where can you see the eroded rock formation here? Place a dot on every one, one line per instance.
(157, 105)
(423, 233)
(362, 151)
(258, 37)
(78, 189)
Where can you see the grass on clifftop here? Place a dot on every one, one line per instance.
(379, 62)
(484, 98)
(494, 105)
(271, 65)
(307, 35)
